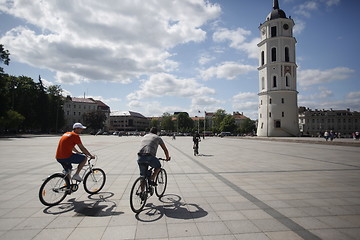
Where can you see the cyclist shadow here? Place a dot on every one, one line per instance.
(172, 208)
(98, 205)
(205, 155)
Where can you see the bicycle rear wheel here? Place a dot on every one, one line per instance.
(161, 181)
(94, 180)
(138, 195)
(54, 189)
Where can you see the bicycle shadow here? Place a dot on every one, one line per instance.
(204, 155)
(172, 208)
(98, 205)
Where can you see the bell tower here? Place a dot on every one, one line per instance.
(278, 109)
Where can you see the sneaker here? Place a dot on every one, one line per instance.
(67, 172)
(152, 183)
(77, 177)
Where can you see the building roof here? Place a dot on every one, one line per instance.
(126, 113)
(276, 12)
(82, 100)
(101, 105)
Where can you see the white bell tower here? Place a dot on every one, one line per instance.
(278, 109)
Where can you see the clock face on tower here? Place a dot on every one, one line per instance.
(285, 26)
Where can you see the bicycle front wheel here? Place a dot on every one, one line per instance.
(161, 181)
(138, 195)
(94, 180)
(54, 189)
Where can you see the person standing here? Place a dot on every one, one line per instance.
(67, 153)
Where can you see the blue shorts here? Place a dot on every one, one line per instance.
(75, 158)
(147, 160)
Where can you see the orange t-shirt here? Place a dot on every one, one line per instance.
(66, 144)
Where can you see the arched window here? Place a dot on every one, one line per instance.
(262, 58)
(287, 81)
(274, 82)
(262, 83)
(273, 54)
(287, 58)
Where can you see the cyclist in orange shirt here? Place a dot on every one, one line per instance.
(66, 152)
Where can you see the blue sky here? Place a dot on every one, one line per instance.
(159, 56)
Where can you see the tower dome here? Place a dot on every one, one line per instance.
(276, 12)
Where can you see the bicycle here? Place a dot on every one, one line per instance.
(142, 189)
(55, 187)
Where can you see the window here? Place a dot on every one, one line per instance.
(277, 124)
(282, 100)
(262, 58)
(283, 114)
(274, 82)
(262, 83)
(287, 81)
(273, 31)
(287, 54)
(269, 114)
(273, 54)
(262, 125)
(270, 100)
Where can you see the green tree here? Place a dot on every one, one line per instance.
(248, 126)
(154, 123)
(4, 57)
(56, 102)
(12, 120)
(228, 124)
(185, 123)
(217, 119)
(95, 120)
(167, 123)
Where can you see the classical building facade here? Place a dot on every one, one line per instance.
(278, 110)
(316, 122)
(75, 108)
(128, 121)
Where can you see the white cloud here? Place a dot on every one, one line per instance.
(205, 59)
(226, 70)
(104, 40)
(246, 102)
(237, 40)
(316, 76)
(163, 84)
(306, 8)
(353, 94)
(299, 26)
(330, 3)
(245, 96)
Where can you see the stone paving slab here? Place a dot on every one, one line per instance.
(235, 189)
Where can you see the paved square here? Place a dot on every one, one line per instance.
(236, 189)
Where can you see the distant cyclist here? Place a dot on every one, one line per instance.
(196, 140)
(67, 153)
(147, 153)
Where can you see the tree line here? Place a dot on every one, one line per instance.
(26, 105)
(220, 122)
